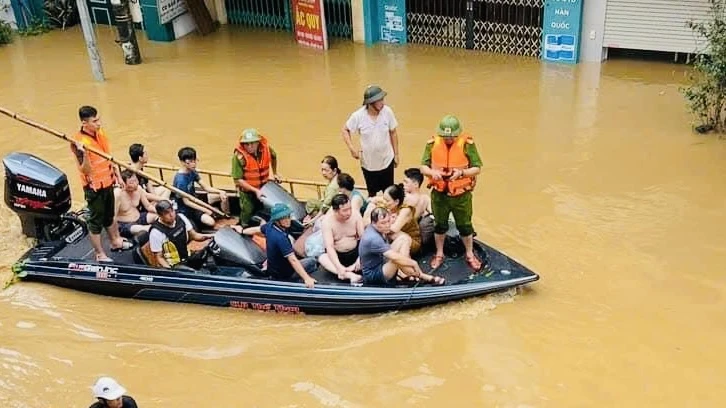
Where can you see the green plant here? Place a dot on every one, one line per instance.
(706, 94)
(36, 26)
(6, 33)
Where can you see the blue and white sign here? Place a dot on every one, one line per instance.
(392, 21)
(561, 30)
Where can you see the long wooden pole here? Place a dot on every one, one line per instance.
(111, 159)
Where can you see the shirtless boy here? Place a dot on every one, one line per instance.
(129, 200)
(414, 197)
(342, 229)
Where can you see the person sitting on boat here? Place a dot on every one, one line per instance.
(134, 212)
(139, 157)
(330, 171)
(342, 229)
(451, 162)
(380, 261)
(185, 180)
(403, 221)
(169, 237)
(253, 156)
(282, 264)
(412, 180)
(346, 183)
(98, 176)
(110, 394)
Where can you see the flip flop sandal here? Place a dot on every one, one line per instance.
(125, 246)
(436, 261)
(104, 259)
(474, 263)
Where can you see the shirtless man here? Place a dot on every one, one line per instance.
(139, 157)
(128, 200)
(414, 197)
(342, 228)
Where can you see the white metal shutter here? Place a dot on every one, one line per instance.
(654, 25)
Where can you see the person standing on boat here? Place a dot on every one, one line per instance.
(451, 162)
(98, 176)
(253, 156)
(110, 394)
(282, 264)
(139, 157)
(378, 153)
(169, 236)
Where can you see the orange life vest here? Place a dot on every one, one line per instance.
(446, 159)
(256, 172)
(102, 174)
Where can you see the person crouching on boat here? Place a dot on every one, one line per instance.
(381, 261)
(412, 180)
(253, 156)
(346, 185)
(282, 264)
(110, 394)
(404, 224)
(451, 162)
(169, 236)
(134, 212)
(98, 176)
(342, 228)
(186, 180)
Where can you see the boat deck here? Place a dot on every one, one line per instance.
(454, 268)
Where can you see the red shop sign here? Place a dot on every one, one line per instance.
(309, 17)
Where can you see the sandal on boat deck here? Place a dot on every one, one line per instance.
(125, 246)
(436, 261)
(103, 259)
(474, 262)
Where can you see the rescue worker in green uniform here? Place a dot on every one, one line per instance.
(451, 163)
(253, 156)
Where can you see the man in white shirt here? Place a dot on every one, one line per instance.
(169, 236)
(378, 154)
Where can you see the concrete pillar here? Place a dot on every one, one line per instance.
(592, 31)
(359, 23)
(220, 11)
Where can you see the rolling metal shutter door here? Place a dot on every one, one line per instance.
(655, 25)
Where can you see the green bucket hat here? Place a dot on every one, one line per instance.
(449, 127)
(279, 211)
(250, 136)
(373, 93)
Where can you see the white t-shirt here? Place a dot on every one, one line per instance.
(158, 238)
(375, 137)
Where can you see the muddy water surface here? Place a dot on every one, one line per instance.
(591, 177)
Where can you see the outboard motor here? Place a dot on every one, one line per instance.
(232, 249)
(39, 193)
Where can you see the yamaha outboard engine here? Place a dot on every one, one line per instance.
(232, 249)
(39, 193)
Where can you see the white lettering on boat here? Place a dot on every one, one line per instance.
(38, 192)
(102, 272)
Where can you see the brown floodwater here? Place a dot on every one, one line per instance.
(592, 178)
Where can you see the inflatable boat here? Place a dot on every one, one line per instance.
(232, 274)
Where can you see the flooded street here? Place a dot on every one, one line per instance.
(592, 178)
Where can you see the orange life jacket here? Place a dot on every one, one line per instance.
(446, 159)
(256, 172)
(102, 174)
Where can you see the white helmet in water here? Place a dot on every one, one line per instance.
(108, 389)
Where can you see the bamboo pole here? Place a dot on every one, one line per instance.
(110, 158)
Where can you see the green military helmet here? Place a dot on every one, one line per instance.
(449, 126)
(373, 93)
(250, 136)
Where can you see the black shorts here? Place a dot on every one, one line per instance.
(348, 258)
(124, 228)
(101, 208)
